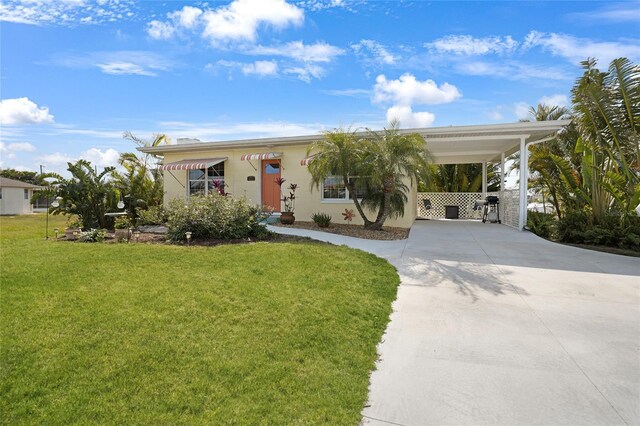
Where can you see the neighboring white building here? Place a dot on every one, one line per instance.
(15, 196)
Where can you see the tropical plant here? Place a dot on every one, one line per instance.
(380, 162)
(92, 236)
(140, 181)
(460, 178)
(87, 194)
(33, 178)
(323, 220)
(154, 215)
(289, 200)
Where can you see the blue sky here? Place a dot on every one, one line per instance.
(75, 74)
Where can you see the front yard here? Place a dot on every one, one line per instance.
(265, 333)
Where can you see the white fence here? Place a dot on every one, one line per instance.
(465, 201)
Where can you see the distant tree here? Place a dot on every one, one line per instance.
(33, 178)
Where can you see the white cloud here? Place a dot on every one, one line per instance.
(407, 90)
(380, 54)
(66, 12)
(522, 110)
(224, 130)
(122, 62)
(317, 5)
(409, 119)
(160, 30)
(23, 111)
(124, 68)
(97, 157)
(495, 114)
(555, 100)
(262, 68)
(240, 20)
(577, 49)
(511, 70)
(259, 68)
(468, 45)
(620, 12)
(187, 17)
(20, 146)
(317, 52)
(306, 72)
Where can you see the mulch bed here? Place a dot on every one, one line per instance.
(387, 233)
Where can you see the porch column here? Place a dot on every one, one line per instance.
(524, 182)
(484, 179)
(501, 173)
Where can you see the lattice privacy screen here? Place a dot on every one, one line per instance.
(509, 205)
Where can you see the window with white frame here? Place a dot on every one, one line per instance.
(334, 189)
(26, 194)
(202, 182)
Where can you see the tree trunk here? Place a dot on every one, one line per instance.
(352, 190)
(383, 213)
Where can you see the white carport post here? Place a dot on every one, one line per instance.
(524, 182)
(501, 173)
(484, 179)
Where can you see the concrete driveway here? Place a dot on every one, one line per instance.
(496, 326)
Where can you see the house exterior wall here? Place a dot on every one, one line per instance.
(13, 201)
(308, 200)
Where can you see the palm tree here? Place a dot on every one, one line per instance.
(339, 153)
(390, 158)
(380, 162)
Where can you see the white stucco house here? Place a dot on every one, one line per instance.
(15, 196)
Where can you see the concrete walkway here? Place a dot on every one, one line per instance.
(496, 326)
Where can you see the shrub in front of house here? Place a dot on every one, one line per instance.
(575, 227)
(323, 220)
(541, 224)
(154, 215)
(214, 216)
(92, 236)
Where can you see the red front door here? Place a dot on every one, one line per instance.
(270, 189)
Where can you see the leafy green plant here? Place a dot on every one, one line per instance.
(288, 200)
(92, 236)
(122, 222)
(323, 220)
(215, 216)
(541, 224)
(154, 215)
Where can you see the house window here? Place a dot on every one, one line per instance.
(26, 194)
(0, 193)
(201, 181)
(334, 189)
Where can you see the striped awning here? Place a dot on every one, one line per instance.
(306, 161)
(263, 156)
(201, 163)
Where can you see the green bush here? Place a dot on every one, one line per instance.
(92, 236)
(154, 215)
(575, 227)
(323, 220)
(214, 216)
(541, 224)
(122, 222)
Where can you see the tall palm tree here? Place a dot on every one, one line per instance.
(390, 158)
(339, 153)
(378, 161)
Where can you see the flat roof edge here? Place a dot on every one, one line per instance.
(523, 126)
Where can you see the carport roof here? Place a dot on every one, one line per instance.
(448, 145)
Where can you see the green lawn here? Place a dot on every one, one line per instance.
(267, 333)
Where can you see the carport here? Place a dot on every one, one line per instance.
(486, 144)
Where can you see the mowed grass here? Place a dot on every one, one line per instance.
(267, 333)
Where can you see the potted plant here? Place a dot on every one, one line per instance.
(73, 229)
(122, 225)
(289, 201)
